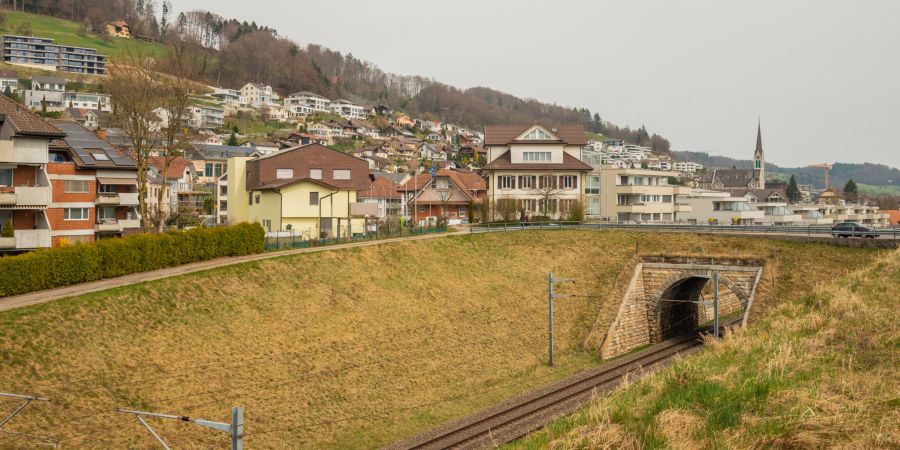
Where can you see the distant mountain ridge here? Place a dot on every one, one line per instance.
(866, 173)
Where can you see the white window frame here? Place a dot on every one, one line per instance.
(341, 174)
(315, 174)
(284, 174)
(505, 181)
(568, 182)
(84, 214)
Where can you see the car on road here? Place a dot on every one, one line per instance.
(853, 229)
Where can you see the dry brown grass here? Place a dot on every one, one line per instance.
(820, 371)
(342, 349)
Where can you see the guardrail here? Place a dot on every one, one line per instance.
(795, 230)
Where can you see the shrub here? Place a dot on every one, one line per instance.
(7, 230)
(71, 264)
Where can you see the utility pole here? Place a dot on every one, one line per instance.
(235, 428)
(716, 303)
(26, 400)
(550, 297)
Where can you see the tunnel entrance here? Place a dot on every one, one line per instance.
(677, 311)
(669, 296)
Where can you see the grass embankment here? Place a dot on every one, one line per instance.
(65, 32)
(343, 349)
(819, 371)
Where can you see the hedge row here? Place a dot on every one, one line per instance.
(71, 264)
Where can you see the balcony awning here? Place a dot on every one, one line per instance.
(110, 181)
(23, 207)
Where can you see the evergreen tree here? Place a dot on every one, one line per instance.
(44, 105)
(232, 140)
(793, 192)
(851, 191)
(597, 124)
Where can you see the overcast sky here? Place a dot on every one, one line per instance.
(823, 76)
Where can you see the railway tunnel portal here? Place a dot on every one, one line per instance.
(667, 297)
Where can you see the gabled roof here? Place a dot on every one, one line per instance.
(25, 122)
(504, 162)
(176, 166)
(8, 74)
(88, 150)
(465, 180)
(380, 188)
(506, 134)
(200, 151)
(43, 79)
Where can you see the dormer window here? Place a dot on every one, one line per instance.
(537, 134)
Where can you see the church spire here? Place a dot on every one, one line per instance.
(759, 158)
(759, 149)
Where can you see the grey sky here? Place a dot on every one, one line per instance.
(824, 76)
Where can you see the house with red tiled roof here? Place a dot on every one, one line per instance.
(535, 169)
(384, 193)
(449, 193)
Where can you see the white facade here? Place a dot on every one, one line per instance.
(347, 109)
(97, 102)
(256, 95)
(686, 167)
(312, 102)
(718, 208)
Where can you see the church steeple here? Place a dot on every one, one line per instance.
(759, 158)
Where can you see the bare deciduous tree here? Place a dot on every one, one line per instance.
(134, 87)
(151, 109)
(548, 191)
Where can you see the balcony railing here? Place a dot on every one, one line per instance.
(26, 196)
(106, 199)
(26, 239)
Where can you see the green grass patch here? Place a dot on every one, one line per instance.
(65, 32)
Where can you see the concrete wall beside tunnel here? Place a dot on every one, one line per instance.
(660, 301)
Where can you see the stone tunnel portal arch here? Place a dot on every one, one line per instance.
(677, 311)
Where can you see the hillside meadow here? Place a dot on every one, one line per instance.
(65, 32)
(347, 348)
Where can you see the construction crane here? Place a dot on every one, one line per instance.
(826, 167)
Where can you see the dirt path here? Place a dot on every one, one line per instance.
(38, 297)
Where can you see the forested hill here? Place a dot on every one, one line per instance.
(230, 53)
(866, 173)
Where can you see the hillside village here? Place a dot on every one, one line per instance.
(375, 165)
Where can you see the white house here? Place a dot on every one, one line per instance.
(256, 95)
(718, 208)
(536, 168)
(312, 102)
(84, 100)
(348, 110)
(8, 80)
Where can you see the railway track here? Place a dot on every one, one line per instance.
(521, 415)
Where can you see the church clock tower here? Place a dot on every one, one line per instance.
(759, 159)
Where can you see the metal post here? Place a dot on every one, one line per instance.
(237, 428)
(550, 314)
(716, 303)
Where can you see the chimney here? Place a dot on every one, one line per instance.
(101, 133)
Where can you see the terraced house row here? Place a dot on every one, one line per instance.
(60, 183)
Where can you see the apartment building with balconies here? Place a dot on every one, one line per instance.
(718, 208)
(640, 195)
(25, 186)
(95, 187)
(43, 53)
(305, 103)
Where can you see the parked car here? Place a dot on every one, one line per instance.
(853, 229)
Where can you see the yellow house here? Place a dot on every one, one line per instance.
(308, 190)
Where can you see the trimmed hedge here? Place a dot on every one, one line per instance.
(106, 258)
